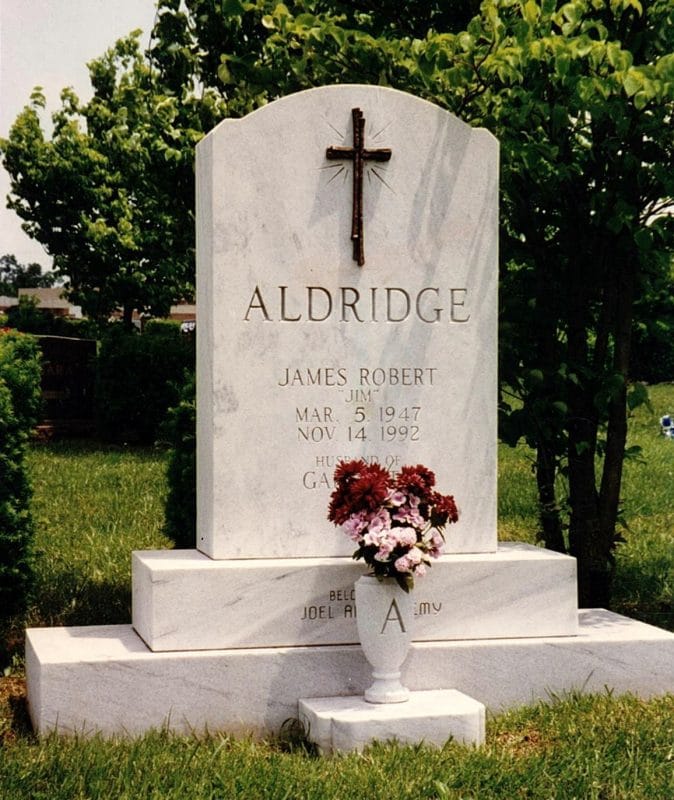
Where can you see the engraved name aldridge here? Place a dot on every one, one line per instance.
(348, 304)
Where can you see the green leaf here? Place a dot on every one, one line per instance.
(232, 8)
(531, 12)
(632, 83)
(641, 100)
(224, 74)
(637, 395)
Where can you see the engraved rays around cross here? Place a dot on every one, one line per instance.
(358, 153)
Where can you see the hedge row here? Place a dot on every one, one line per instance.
(139, 377)
(19, 411)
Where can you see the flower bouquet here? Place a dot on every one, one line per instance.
(397, 520)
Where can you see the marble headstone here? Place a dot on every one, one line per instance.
(305, 357)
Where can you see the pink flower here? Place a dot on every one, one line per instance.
(405, 536)
(410, 514)
(403, 564)
(372, 538)
(420, 570)
(396, 520)
(396, 498)
(385, 550)
(379, 521)
(436, 544)
(355, 524)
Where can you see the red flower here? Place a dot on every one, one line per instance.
(444, 509)
(346, 470)
(369, 491)
(417, 480)
(359, 487)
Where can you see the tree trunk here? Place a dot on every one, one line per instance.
(616, 438)
(127, 317)
(551, 533)
(584, 523)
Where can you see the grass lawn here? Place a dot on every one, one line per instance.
(93, 505)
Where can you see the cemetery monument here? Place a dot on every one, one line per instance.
(347, 308)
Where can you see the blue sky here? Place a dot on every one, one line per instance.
(48, 43)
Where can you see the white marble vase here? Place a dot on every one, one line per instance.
(385, 616)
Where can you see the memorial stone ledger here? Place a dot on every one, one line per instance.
(347, 305)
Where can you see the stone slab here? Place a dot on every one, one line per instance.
(106, 679)
(303, 357)
(183, 600)
(344, 724)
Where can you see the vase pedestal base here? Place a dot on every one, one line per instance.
(386, 689)
(343, 724)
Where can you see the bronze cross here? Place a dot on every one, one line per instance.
(358, 153)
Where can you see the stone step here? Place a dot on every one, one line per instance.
(105, 679)
(184, 600)
(345, 724)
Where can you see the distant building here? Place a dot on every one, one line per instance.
(185, 312)
(7, 302)
(51, 300)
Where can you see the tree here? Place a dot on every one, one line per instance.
(581, 96)
(110, 195)
(585, 101)
(15, 276)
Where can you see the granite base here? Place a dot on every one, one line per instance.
(184, 600)
(105, 679)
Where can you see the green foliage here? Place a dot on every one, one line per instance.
(653, 336)
(110, 195)
(138, 379)
(581, 97)
(644, 582)
(181, 499)
(28, 317)
(582, 107)
(15, 276)
(19, 408)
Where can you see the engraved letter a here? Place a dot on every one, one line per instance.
(393, 614)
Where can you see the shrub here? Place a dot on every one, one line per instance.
(652, 358)
(19, 410)
(28, 317)
(138, 379)
(181, 500)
